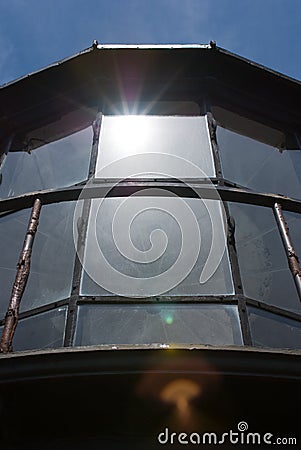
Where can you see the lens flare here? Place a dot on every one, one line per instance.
(169, 319)
(180, 392)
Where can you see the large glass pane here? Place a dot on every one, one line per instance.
(52, 259)
(171, 324)
(44, 330)
(145, 246)
(51, 165)
(262, 260)
(259, 166)
(271, 330)
(12, 230)
(179, 137)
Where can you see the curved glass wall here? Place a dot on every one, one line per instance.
(171, 257)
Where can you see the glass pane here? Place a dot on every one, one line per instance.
(12, 230)
(259, 166)
(171, 324)
(45, 330)
(262, 259)
(182, 137)
(145, 246)
(293, 221)
(53, 165)
(271, 330)
(52, 259)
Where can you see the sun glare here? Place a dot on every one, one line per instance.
(134, 132)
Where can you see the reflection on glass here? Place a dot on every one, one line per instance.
(259, 166)
(171, 324)
(271, 330)
(44, 330)
(144, 246)
(52, 258)
(12, 230)
(182, 137)
(262, 260)
(52, 165)
(293, 221)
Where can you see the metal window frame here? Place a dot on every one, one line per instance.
(227, 190)
(292, 257)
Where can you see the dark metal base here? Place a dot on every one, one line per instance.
(103, 398)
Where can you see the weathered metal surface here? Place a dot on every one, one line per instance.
(292, 256)
(23, 270)
(108, 188)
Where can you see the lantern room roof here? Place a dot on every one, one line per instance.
(130, 72)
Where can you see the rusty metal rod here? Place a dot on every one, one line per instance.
(23, 269)
(292, 256)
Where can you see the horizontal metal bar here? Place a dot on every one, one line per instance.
(153, 46)
(126, 188)
(41, 309)
(273, 309)
(219, 299)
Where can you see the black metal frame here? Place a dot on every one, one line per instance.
(82, 228)
(241, 304)
(221, 187)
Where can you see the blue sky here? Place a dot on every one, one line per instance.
(35, 33)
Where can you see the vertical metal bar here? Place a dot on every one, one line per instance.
(94, 153)
(244, 321)
(6, 146)
(293, 260)
(242, 310)
(82, 231)
(23, 270)
(233, 253)
(77, 272)
(212, 125)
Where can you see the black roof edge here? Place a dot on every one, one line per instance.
(258, 65)
(50, 66)
(211, 47)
